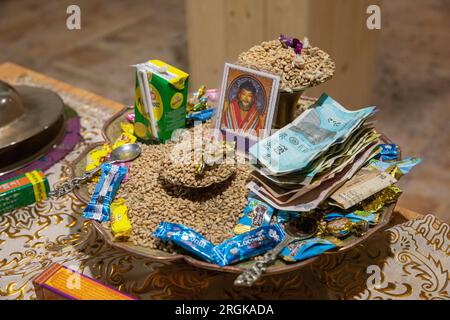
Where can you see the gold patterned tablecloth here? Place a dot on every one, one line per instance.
(407, 261)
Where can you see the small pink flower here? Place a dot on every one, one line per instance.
(130, 117)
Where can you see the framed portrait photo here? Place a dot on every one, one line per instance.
(247, 103)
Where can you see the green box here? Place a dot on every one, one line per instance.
(160, 100)
(23, 190)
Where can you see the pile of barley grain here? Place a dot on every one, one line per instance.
(179, 167)
(213, 211)
(184, 174)
(312, 67)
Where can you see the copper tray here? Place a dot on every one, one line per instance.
(111, 131)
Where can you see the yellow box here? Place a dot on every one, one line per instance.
(61, 283)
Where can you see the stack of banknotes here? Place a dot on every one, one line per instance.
(322, 155)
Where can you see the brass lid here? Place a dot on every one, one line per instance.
(31, 121)
(26, 111)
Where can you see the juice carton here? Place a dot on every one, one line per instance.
(160, 100)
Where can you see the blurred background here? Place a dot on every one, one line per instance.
(404, 68)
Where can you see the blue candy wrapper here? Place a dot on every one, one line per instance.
(389, 152)
(249, 244)
(105, 191)
(256, 214)
(284, 216)
(407, 164)
(186, 238)
(332, 216)
(202, 115)
(304, 249)
(356, 216)
(396, 168)
(370, 216)
(380, 165)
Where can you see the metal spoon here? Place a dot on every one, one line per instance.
(124, 153)
(296, 229)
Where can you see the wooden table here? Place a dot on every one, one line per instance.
(12, 72)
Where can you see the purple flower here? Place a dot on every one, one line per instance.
(298, 48)
(290, 42)
(286, 41)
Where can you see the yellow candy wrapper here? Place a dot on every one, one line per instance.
(124, 138)
(384, 197)
(120, 224)
(96, 157)
(127, 127)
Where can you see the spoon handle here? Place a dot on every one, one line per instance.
(68, 186)
(252, 274)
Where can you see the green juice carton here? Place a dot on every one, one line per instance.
(160, 100)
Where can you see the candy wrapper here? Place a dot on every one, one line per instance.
(202, 116)
(127, 128)
(105, 191)
(186, 238)
(284, 216)
(120, 224)
(397, 169)
(382, 198)
(124, 138)
(379, 165)
(355, 216)
(371, 207)
(301, 250)
(388, 152)
(341, 227)
(210, 95)
(372, 217)
(96, 157)
(256, 214)
(200, 105)
(407, 164)
(249, 244)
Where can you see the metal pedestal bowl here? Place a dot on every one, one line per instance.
(111, 131)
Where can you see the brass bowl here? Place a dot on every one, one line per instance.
(287, 104)
(111, 131)
(287, 107)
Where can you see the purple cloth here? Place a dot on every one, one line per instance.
(64, 147)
